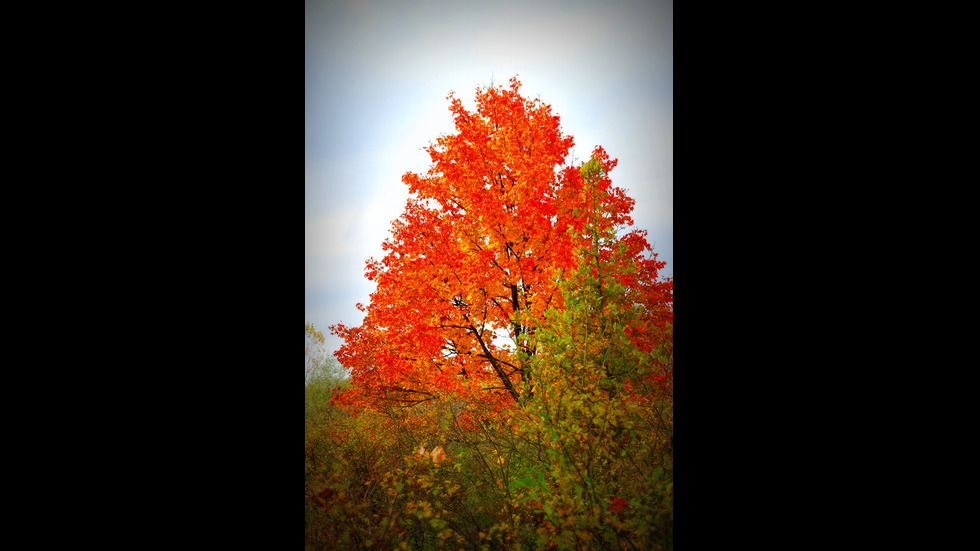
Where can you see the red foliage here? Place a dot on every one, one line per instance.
(617, 504)
(478, 252)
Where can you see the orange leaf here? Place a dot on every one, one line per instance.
(439, 455)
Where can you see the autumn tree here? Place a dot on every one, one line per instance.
(601, 419)
(475, 261)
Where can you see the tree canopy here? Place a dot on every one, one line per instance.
(478, 257)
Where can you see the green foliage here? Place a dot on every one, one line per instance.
(606, 477)
(532, 481)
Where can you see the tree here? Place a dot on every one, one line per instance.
(476, 259)
(599, 423)
(321, 368)
(314, 349)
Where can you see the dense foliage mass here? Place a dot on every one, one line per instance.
(511, 384)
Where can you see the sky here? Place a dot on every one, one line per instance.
(377, 76)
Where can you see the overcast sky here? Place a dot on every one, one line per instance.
(377, 75)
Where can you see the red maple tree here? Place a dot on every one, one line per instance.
(474, 262)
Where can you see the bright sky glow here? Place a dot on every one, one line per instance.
(377, 77)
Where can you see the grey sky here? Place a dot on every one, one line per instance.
(377, 75)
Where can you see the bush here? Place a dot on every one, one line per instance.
(597, 476)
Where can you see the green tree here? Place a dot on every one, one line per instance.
(604, 420)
